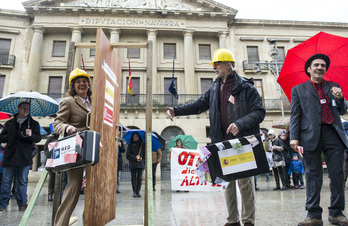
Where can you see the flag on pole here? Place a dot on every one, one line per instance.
(172, 87)
(83, 62)
(130, 83)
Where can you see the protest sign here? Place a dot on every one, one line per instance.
(183, 176)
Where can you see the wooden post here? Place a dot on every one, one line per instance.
(70, 65)
(148, 202)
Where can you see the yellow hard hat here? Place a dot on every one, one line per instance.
(77, 73)
(222, 55)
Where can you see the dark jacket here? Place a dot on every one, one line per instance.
(19, 147)
(287, 149)
(133, 150)
(120, 151)
(247, 111)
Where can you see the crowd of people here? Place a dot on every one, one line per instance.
(235, 111)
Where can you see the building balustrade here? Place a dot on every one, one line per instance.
(7, 60)
(262, 65)
(162, 100)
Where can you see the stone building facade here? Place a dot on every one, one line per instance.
(34, 47)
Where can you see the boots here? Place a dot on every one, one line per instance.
(138, 191)
(134, 187)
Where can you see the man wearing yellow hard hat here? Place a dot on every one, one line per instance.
(235, 110)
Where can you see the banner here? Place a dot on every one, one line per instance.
(183, 177)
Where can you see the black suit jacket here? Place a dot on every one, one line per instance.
(305, 114)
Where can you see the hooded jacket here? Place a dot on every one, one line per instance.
(246, 112)
(18, 151)
(134, 148)
(296, 166)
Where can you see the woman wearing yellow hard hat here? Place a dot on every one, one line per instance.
(71, 117)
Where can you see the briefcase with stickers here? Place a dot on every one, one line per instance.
(74, 151)
(238, 158)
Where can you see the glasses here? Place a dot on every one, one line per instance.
(217, 63)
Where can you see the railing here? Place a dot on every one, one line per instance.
(7, 60)
(169, 100)
(263, 65)
(251, 65)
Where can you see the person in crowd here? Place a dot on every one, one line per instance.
(2, 149)
(51, 176)
(316, 128)
(287, 151)
(71, 117)
(120, 150)
(235, 110)
(136, 157)
(156, 158)
(296, 168)
(345, 126)
(19, 133)
(278, 161)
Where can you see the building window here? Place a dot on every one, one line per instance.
(281, 56)
(133, 53)
(5, 45)
(58, 49)
(258, 86)
(206, 84)
(169, 50)
(253, 53)
(55, 87)
(92, 51)
(2, 84)
(204, 52)
(136, 90)
(169, 98)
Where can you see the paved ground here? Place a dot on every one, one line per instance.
(171, 208)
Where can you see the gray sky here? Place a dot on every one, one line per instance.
(303, 10)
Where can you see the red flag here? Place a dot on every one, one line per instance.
(83, 62)
(130, 83)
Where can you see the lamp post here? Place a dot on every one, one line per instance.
(273, 53)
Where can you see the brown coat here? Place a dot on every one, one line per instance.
(71, 112)
(156, 156)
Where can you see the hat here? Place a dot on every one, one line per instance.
(271, 131)
(314, 57)
(281, 133)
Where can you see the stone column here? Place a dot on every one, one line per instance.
(189, 65)
(115, 38)
(76, 37)
(35, 58)
(223, 39)
(156, 82)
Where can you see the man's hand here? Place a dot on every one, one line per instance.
(294, 144)
(232, 129)
(337, 92)
(28, 132)
(70, 130)
(170, 113)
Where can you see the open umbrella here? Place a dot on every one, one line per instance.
(282, 124)
(188, 142)
(336, 47)
(40, 105)
(5, 115)
(155, 142)
(42, 131)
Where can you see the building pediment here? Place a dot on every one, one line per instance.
(180, 5)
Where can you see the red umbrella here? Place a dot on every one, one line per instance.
(4, 115)
(336, 47)
(282, 124)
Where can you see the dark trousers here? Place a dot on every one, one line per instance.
(154, 167)
(136, 178)
(51, 181)
(333, 148)
(279, 172)
(297, 178)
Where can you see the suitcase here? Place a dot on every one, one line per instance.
(75, 151)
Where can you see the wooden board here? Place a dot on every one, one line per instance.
(100, 195)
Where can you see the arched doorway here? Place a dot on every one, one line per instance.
(168, 134)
